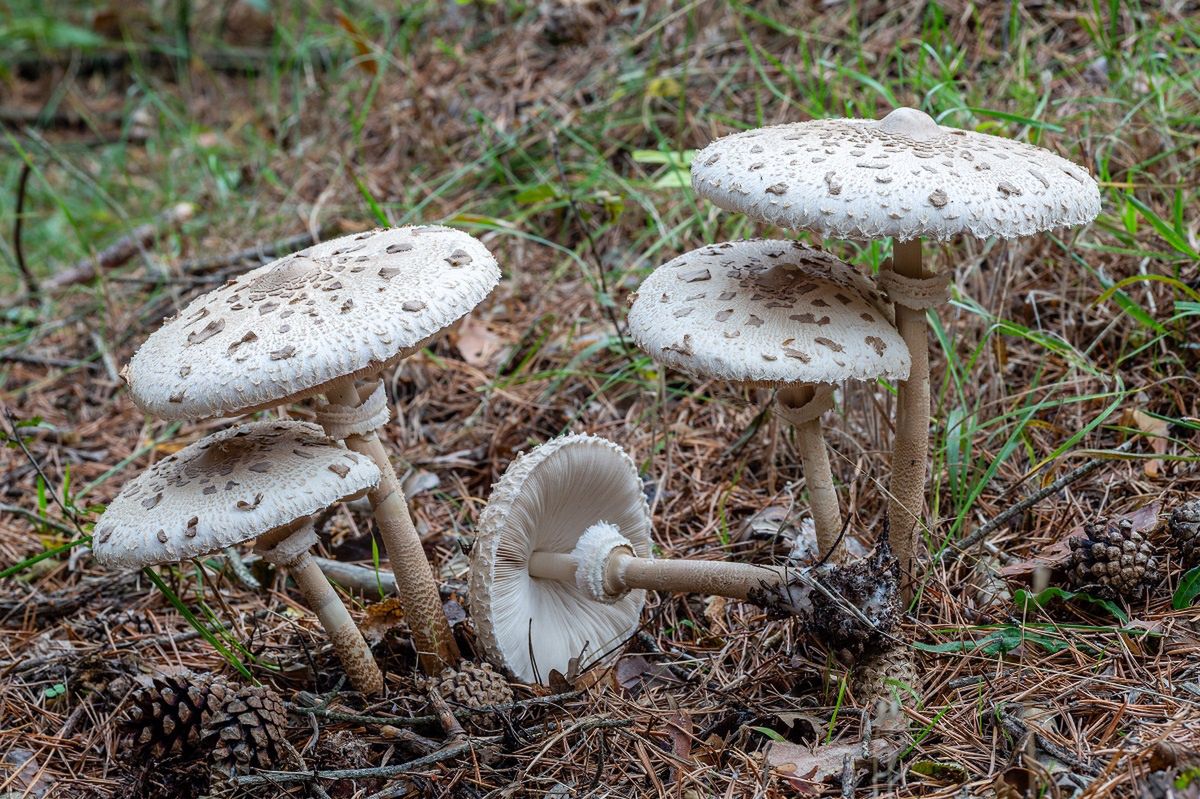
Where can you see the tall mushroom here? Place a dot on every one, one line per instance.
(906, 177)
(562, 560)
(263, 481)
(779, 314)
(315, 323)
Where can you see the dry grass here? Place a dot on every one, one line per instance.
(495, 117)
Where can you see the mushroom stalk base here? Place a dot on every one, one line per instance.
(822, 496)
(289, 550)
(415, 586)
(910, 449)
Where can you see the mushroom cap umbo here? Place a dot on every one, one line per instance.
(766, 312)
(902, 176)
(544, 502)
(227, 488)
(295, 327)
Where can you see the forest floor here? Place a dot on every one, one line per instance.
(559, 133)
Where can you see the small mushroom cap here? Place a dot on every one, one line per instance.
(903, 176)
(544, 502)
(766, 312)
(293, 328)
(227, 488)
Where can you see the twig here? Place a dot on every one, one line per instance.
(587, 234)
(31, 283)
(960, 547)
(14, 356)
(238, 566)
(413, 721)
(122, 250)
(166, 53)
(446, 753)
(1018, 729)
(445, 716)
(258, 254)
(37, 467)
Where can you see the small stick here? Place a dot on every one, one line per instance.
(445, 716)
(238, 566)
(15, 356)
(120, 251)
(1018, 729)
(31, 283)
(446, 753)
(257, 255)
(1076, 474)
(413, 721)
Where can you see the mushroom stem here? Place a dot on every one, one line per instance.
(910, 449)
(822, 496)
(289, 550)
(415, 585)
(624, 571)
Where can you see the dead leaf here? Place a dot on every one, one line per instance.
(679, 727)
(807, 769)
(419, 481)
(634, 673)
(362, 46)
(381, 617)
(476, 342)
(1155, 431)
(24, 773)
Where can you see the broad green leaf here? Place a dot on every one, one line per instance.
(1188, 590)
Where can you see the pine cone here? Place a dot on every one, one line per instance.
(247, 731)
(1184, 528)
(1112, 561)
(167, 712)
(474, 685)
(115, 622)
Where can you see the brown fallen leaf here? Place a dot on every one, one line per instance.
(806, 769)
(1156, 432)
(381, 617)
(476, 342)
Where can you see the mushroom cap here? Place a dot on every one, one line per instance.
(766, 312)
(903, 176)
(227, 488)
(295, 327)
(544, 502)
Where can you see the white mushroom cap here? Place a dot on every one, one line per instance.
(228, 488)
(766, 312)
(903, 176)
(294, 327)
(544, 502)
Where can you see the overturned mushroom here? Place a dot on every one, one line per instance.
(562, 561)
(315, 323)
(773, 313)
(262, 481)
(906, 177)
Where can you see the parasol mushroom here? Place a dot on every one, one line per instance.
(262, 481)
(906, 177)
(315, 323)
(562, 560)
(778, 314)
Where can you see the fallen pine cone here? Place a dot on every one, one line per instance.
(1112, 560)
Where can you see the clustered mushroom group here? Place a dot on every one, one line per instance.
(564, 549)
